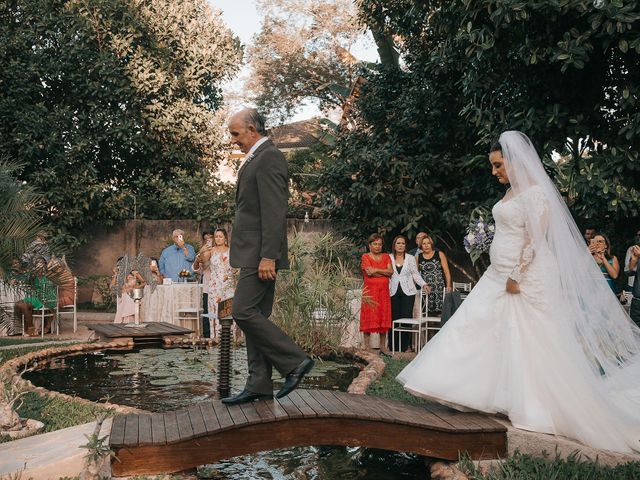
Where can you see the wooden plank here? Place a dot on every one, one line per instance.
(116, 437)
(236, 415)
(157, 429)
(309, 431)
(131, 430)
(312, 402)
(333, 406)
(412, 415)
(250, 412)
(265, 413)
(278, 412)
(197, 421)
(171, 427)
(224, 419)
(462, 422)
(184, 425)
(290, 407)
(145, 437)
(209, 415)
(299, 402)
(359, 406)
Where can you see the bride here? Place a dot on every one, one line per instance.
(541, 338)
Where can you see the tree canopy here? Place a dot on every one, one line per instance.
(565, 72)
(303, 53)
(98, 95)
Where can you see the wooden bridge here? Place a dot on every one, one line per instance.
(211, 431)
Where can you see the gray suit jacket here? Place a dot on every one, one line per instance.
(260, 225)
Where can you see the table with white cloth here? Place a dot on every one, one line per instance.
(160, 305)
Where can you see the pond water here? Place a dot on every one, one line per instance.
(163, 379)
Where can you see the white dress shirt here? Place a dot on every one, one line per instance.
(408, 276)
(251, 150)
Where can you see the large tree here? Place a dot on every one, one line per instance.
(303, 53)
(97, 95)
(566, 72)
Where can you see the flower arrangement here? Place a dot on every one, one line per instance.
(184, 274)
(480, 231)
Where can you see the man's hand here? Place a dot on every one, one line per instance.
(267, 270)
(512, 286)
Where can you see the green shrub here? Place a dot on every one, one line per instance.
(102, 284)
(574, 467)
(312, 296)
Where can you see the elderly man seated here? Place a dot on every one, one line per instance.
(177, 257)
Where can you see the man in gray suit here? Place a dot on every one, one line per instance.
(259, 249)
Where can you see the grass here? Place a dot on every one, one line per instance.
(388, 387)
(519, 466)
(574, 467)
(7, 341)
(10, 353)
(55, 413)
(58, 413)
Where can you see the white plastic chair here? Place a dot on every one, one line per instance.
(43, 313)
(414, 326)
(463, 288)
(71, 309)
(186, 314)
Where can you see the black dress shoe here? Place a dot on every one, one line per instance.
(245, 396)
(294, 377)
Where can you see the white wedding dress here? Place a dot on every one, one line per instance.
(517, 354)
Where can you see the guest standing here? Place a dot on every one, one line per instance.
(221, 280)
(434, 269)
(589, 233)
(176, 257)
(375, 312)
(631, 274)
(600, 249)
(201, 265)
(402, 287)
(419, 237)
(155, 271)
(125, 305)
(634, 265)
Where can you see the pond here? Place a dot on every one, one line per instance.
(163, 379)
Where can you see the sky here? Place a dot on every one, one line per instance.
(242, 18)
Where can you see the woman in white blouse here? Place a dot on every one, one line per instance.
(402, 287)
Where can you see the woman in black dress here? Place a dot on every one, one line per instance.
(434, 270)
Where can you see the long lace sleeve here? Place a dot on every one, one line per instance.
(536, 208)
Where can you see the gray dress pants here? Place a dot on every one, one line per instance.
(267, 345)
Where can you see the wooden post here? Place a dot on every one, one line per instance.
(224, 363)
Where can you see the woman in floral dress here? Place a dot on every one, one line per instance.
(222, 280)
(434, 270)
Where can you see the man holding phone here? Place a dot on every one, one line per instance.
(176, 257)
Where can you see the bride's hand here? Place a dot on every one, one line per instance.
(512, 286)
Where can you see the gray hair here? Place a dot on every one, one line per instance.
(177, 231)
(252, 117)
